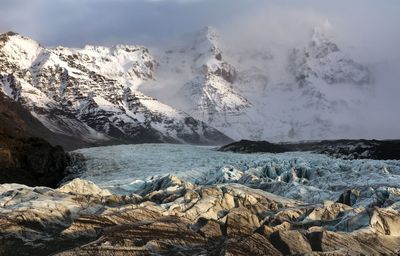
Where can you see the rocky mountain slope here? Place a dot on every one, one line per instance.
(25, 157)
(271, 93)
(17, 122)
(91, 93)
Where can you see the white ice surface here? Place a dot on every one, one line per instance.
(304, 176)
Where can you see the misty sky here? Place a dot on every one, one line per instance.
(366, 25)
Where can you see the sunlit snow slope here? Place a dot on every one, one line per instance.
(91, 93)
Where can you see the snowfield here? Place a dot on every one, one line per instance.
(309, 177)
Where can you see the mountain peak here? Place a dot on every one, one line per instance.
(322, 34)
(322, 43)
(208, 42)
(323, 59)
(9, 33)
(18, 49)
(5, 37)
(209, 33)
(87, 89)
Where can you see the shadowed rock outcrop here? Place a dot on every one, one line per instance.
(31, 161)
(17, 122)
(25, 157)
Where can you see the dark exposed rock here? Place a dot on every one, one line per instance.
(24, 157)
(353, 149)
(31, 161)
(208, 228)
(330, 241)
(241, 222)
(163, 236)
(349, 197)
(16, 121)
(290, 242)
(345, 149)
(248, 146)
(351, 244)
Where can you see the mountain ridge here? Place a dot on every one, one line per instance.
(206, 90)
(90, 93)
(301, 93)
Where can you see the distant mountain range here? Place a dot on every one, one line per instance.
(89, 94)
(204, 93)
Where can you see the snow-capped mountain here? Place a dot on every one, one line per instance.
(206, 78)
(323, 59)
(211, 89)
(91, 93)
(100, 93)
(270, 93)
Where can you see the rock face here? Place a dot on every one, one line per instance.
(17, 121)
(91, 94)
(175, 217)
(31, 161)
(345, 149)
(24, 157)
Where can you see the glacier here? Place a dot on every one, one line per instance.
(155, 199)
(304, 176)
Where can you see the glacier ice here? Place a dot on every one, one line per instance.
(153, 193)
(304, 176)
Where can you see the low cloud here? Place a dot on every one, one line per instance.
(364, 25)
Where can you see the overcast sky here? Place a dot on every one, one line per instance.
(368, 25)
